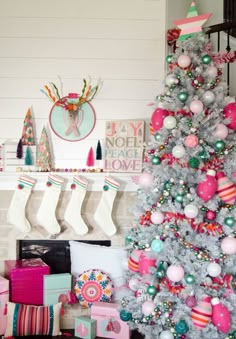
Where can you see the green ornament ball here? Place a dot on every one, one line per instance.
(157, 137)
(125, 316)
(152, 290)
(160, 273)
(179, 198)
(219, 145)
(169, 58)
(156, 160)
(194, 162)
(182, 96)
(203, 155)
(229, 221)
(189, 279)
(206, 59)
(128, 240)
(181, 327)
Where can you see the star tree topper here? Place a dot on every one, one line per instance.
(192, 24)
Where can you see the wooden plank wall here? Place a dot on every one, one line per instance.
(122, 42)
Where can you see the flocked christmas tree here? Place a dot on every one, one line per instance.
(181, 278)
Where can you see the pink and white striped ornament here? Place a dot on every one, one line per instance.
(226, 189)
(201, 314)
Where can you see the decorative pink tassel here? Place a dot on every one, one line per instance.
(90, 158)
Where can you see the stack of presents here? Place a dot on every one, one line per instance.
(32, 302)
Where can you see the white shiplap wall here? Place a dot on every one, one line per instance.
(122, 42)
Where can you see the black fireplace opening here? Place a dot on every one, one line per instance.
(55, 253)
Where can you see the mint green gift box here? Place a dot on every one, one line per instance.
(56, 288)
(85, 327)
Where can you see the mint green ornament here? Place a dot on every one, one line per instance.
(152, 290)
(156, 160)
(179, 198)
(157, 245)
(229, 221)
(169, 58)
(219, 145)
(206, 59)
(182, 96)
(189, 278)
(157, 137)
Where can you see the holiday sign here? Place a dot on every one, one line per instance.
(124, 146)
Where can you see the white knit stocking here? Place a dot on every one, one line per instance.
(103, 214)
(73, 210)
(16, 212)
(46, 213)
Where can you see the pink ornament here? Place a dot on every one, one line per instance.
(157, 217)
(228, 245)
(191, 141)
(146, 179)
(158, 117)
(221, 317)
(146, 262)
(196, 106)
(211, 215)
(175, 273)
(207, 188)
(148, 307)
(230, 113)
(191, 301)
(184, 61)
(133, 262)
(212, 71)
(201, 314)
(226, 189)
(221, 132)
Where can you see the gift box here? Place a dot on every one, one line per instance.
(26, 280)
(85, 327)
(109, 324)
(56, 288)
(4, 298)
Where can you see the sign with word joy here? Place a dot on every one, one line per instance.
(124, 146)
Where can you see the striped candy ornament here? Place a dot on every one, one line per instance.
(226, 189)
(133, 262)
(201, 314)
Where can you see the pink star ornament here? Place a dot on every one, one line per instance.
(192, 24)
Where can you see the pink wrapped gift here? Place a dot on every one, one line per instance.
(4, 297)
(109, 324)
(26, 280)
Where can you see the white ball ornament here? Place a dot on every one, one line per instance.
(166, 335)
(175, 273)
(212, 71)
(171, 80)
(191, 211)
(221, 132)
(178, 151)
(196, 106)
(157, 217)
(184, 61)
(148, 307)
(133, 284)
(213, 269)
(208, 97)
(169, 122)
(228, 245)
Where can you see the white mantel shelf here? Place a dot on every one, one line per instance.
(8, 180)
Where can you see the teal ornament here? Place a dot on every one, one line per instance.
(206, 59)
(179, 198)
(229, 221)
(156, 160)
(105, 188)
(157, 137)
(128, 240)
(160, 273)
(157, 245)
(189, 279)
(152, 290)
(182, 96)
(194, 162)
(125, 316)
(181, 327)
(203, 155)
(169, 58)
(219, 145)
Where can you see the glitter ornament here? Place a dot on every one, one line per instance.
(226, 189)
(228, 245)
(169, 122)
(201, 314)
(208, 187)
(191, 141)
(196, 106)
(158, 117)
(146, 262)
(175, 273)
(157, 217)
(211, 215)
(181, 327)
(166, 335)
(213, 269)
(148, 307)
(178, 151)
(221, 132)
(184, 61)
(190, 301)
(221, 317)
(146, 179)
(191, 211)
(230, 113)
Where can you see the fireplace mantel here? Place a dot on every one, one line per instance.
(8, 180)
